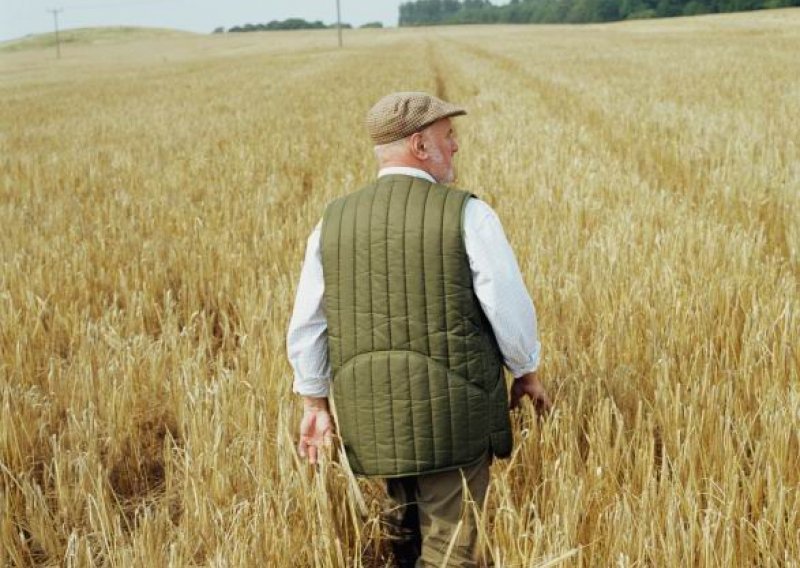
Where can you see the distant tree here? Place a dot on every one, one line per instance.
(669, 8)
(295, 24)
(288, 24)
(645, 14)
(475, 4)
(607, 11)
(629, 8)
(219, 30)
(694, 8)
(433, 12)
(372, 25)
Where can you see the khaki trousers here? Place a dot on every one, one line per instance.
(424, 513)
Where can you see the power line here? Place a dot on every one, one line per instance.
(339, 21)
(56, 12)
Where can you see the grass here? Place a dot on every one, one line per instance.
(156, 196)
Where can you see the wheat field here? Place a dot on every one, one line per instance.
(156, 195)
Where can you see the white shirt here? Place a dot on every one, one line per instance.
(495, 277)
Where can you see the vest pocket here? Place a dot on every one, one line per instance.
(403, 413)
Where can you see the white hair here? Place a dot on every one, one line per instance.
(385, 152)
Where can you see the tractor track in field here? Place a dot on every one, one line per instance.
(687, 181)
(561, 101)
(438, 72)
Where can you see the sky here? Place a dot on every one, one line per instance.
(21, 17)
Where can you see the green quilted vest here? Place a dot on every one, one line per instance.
(417, 375)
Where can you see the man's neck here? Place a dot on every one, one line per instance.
(406, 171)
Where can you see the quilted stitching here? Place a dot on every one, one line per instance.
(418, 380)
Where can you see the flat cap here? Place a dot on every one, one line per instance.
(399, 115)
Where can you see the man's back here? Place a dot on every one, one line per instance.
(417, 372)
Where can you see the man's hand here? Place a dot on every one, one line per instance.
(529, 385)
(316, 428)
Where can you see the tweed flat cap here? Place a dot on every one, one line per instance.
(399, 115)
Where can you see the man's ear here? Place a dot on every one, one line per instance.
(416, 145)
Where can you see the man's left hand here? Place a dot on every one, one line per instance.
(316, 428)
(530, 385)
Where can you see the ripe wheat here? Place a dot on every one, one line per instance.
(155, 198)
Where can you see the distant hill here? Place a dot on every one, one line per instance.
(88, 36)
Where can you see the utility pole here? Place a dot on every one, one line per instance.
(56, 12)
(339, 21)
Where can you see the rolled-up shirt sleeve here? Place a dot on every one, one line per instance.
(307, 338)
(500, 289)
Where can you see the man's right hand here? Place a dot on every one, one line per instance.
(316, 428)
(530, 385)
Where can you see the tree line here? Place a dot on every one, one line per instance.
(290, 24)
(435, 12)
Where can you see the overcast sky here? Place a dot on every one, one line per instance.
(22, 17)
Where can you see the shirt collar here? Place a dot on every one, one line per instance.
(406, 171)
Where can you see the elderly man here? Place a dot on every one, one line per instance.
(410, 303)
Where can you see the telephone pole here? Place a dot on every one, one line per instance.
(56, 12)
(339, 21)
